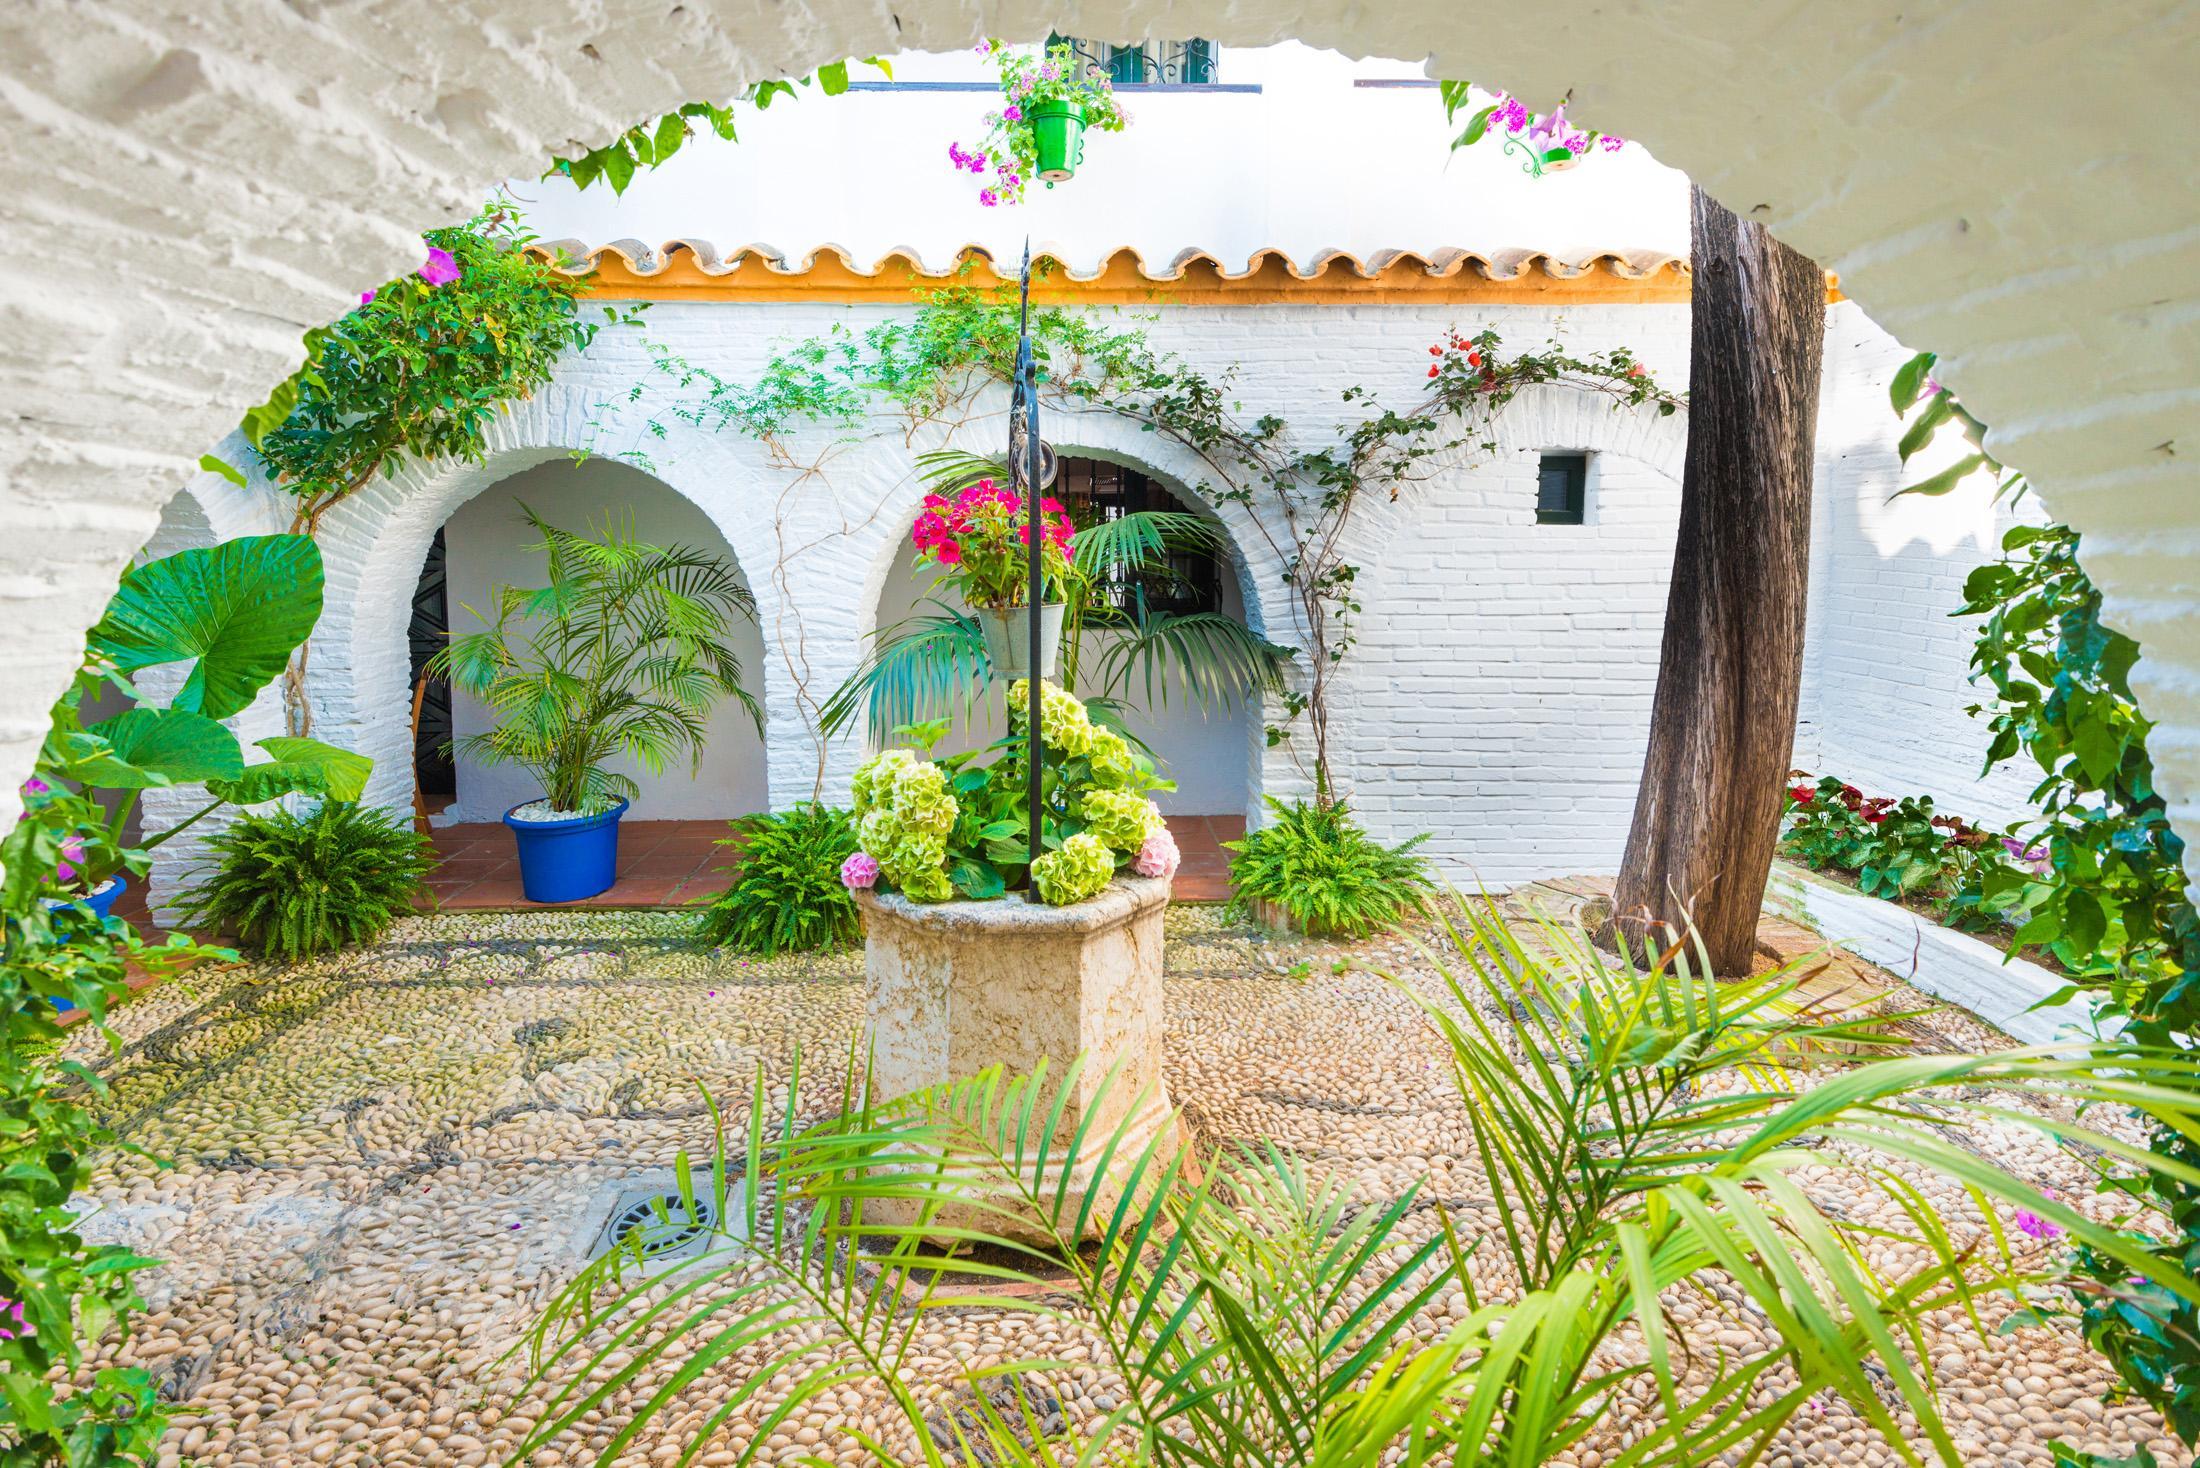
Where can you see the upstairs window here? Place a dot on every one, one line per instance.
(1562, 489)
(1095, 491)
(1170, 63)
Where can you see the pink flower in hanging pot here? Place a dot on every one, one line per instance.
(442, 267)
(1012, 113)
(948, 552)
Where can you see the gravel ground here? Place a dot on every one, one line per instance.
(386, 1162)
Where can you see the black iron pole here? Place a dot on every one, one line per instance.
(1027, 383)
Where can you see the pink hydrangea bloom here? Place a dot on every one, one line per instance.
(441, 269)
(859, 873)
(1158, 857)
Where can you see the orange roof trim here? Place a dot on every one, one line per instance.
(693, 270)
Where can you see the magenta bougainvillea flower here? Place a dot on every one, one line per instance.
(366, 298)
(442, 267)
(2032, 1226)
(36, 786)
(72, 851)
(859, 872)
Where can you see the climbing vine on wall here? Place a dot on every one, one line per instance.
(2112, 903)
(419, 370)
(1300, 500)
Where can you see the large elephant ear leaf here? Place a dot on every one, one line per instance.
(300, 767)
(139, 749)
(238, 608)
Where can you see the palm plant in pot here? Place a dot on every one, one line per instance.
(1102, 640)
(621, 653)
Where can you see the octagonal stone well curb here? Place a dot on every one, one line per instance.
(953, 988)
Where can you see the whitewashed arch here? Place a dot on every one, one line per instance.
(256, 169)
(374, 543)
(1074, 432)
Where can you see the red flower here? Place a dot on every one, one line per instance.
(1474, 359)
(1436, 351)
(1635, 371)
(1875, 817)
(1432, 371)
(1802, 794)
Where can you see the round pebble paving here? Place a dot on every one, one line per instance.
(381, 1165)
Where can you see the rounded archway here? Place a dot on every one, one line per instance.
(1212, 751)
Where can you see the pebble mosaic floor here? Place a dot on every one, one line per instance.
(385, 1162)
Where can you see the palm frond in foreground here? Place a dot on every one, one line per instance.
(1647, 1136)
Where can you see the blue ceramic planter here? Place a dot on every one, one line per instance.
(102, 904)
(564, 861)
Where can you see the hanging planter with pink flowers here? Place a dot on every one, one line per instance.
(1049, 102)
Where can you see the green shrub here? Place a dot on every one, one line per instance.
(786, 895)
(1319, 866)
(295, 886)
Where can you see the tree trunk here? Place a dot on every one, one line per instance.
(1722, 726)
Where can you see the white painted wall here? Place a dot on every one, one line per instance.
(1308, 164)
(487, 545)
(1887, 670)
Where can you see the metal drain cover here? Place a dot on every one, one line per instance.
(654, 1219)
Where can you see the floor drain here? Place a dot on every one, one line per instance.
(660, 1223)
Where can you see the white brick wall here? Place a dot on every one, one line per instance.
(1501, 688)
(189, 188)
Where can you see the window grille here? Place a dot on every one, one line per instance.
(1094, 491)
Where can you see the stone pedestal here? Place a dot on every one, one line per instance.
(955, 987)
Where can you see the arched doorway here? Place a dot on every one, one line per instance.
(486, 543)
(1208, 751)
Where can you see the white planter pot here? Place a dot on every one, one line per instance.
(1008, 638)
(953, 988)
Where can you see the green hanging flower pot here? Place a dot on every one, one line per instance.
(1058, 132)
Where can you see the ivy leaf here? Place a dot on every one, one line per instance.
(832, 77)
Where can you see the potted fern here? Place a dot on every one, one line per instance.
(621, 653)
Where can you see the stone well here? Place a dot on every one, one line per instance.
(955, 987)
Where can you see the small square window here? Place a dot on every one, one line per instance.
(1561, 489)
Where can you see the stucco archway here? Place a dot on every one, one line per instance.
(373, 545)
(1246, 562)
(236, 176)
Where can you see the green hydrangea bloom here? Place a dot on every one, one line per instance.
(1113, 765)
(1063, 722)
(904, 814)
(1074, 871)
(1120, 818)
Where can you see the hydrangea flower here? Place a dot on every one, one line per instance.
(859, 873)
(1121, 819)
(1063, 722)
(1077, 869)
(1158, 857)
(904, 812)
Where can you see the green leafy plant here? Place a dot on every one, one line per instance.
(787, 895)
(293, 886)
(646, 145)
(1316, 863)
(1644, 1137)
(234, 612)
(934, 830)
(1896, 848)
(621, 652)
(2107, 893)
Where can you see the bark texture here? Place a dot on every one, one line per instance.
(1722, 726)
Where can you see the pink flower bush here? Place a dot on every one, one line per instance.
(1158, 857)
(977, 540)
(859, 873)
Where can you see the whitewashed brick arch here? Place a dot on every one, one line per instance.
(374, 544)
(237, 175)
(1095, 434)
